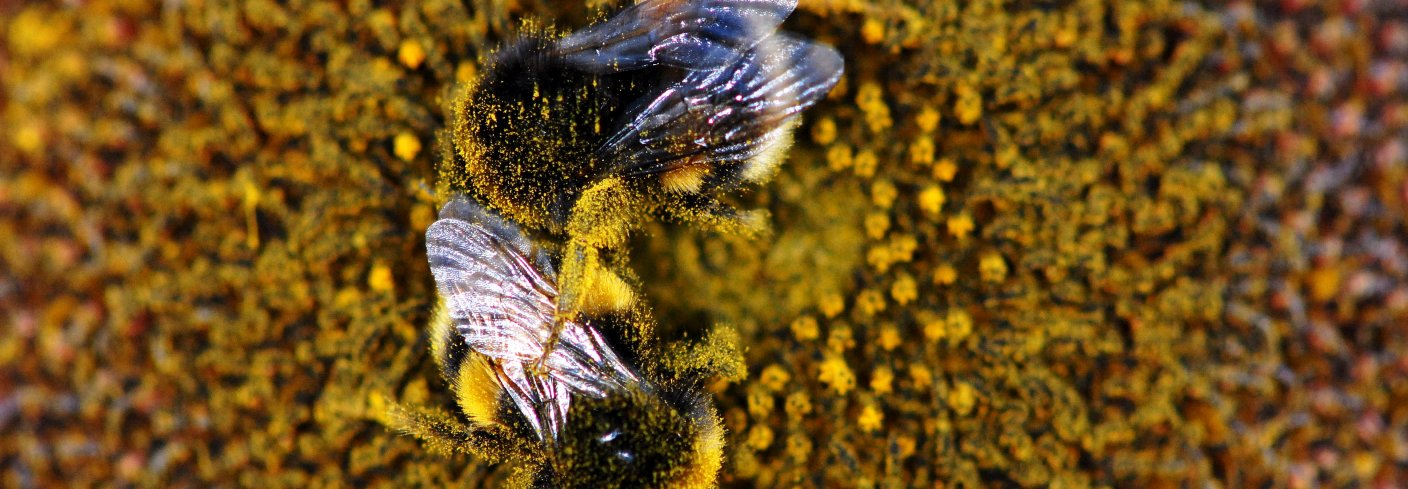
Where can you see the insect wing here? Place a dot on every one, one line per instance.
(728, 114)
(583, 361)
(505, 306)
(694, 35)
(505, 232)
(502, 307)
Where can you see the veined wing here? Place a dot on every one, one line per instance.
(725, 115)
(694, 35)
(504, 304)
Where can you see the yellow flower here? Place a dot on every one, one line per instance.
(836, 374)
(945, 170)
(839, 157)
(870, 418)
(876, 224)
(935, 328)
(380, 278)
(799, 447)
(921, 375)
(406, 146)
(872, 31)
(881, 380)
(889, 338)
(798, 404)
(865, 163)
(824, 131)
(960, 324)
(962, 397)
(968, 106)
(411, 54)
(992, 267)
(904, 290)
(932, 199)
(832, 305)
(945, 274)
(883, 194)
(921, 151)
(870, 302)
(959, 226)
(805, 329)
(759, 437)
(928, 119)
(774, 377)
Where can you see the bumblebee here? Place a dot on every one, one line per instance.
(660, 107)
(546, 390)
(676, 99)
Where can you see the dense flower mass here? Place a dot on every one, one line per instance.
(1062, 243)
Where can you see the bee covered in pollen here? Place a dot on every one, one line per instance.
(660, 107)
(672, 96)
(547, 390)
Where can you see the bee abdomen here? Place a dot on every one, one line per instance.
(476, 391)
(448, 348)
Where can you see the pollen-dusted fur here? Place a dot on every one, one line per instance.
(562, 147)
(467, 372)
(760, 168)
(642, 421)
(685, 179)
(524, 133)
(598, 289)
(679, 430)
(582, 135)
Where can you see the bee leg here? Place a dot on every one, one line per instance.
(589, 286)
(541, 366)
(717, 355)
(605, 214)
(601, 220)
(718, 217)
(443, 433)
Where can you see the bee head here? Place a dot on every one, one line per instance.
(635, 438)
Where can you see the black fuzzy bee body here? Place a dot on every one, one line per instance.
(530, 130)
(672, 97)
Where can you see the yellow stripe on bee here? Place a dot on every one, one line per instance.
(441, 329)
(761, 168)
(591, 287)
(708, 455)
(685, 179)
(476, 390)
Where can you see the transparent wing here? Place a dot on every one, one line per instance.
(463, 209)
(725, 115)
(504, 305)
(498, 301)
(694, 35)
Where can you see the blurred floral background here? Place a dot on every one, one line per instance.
(1024, 243)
